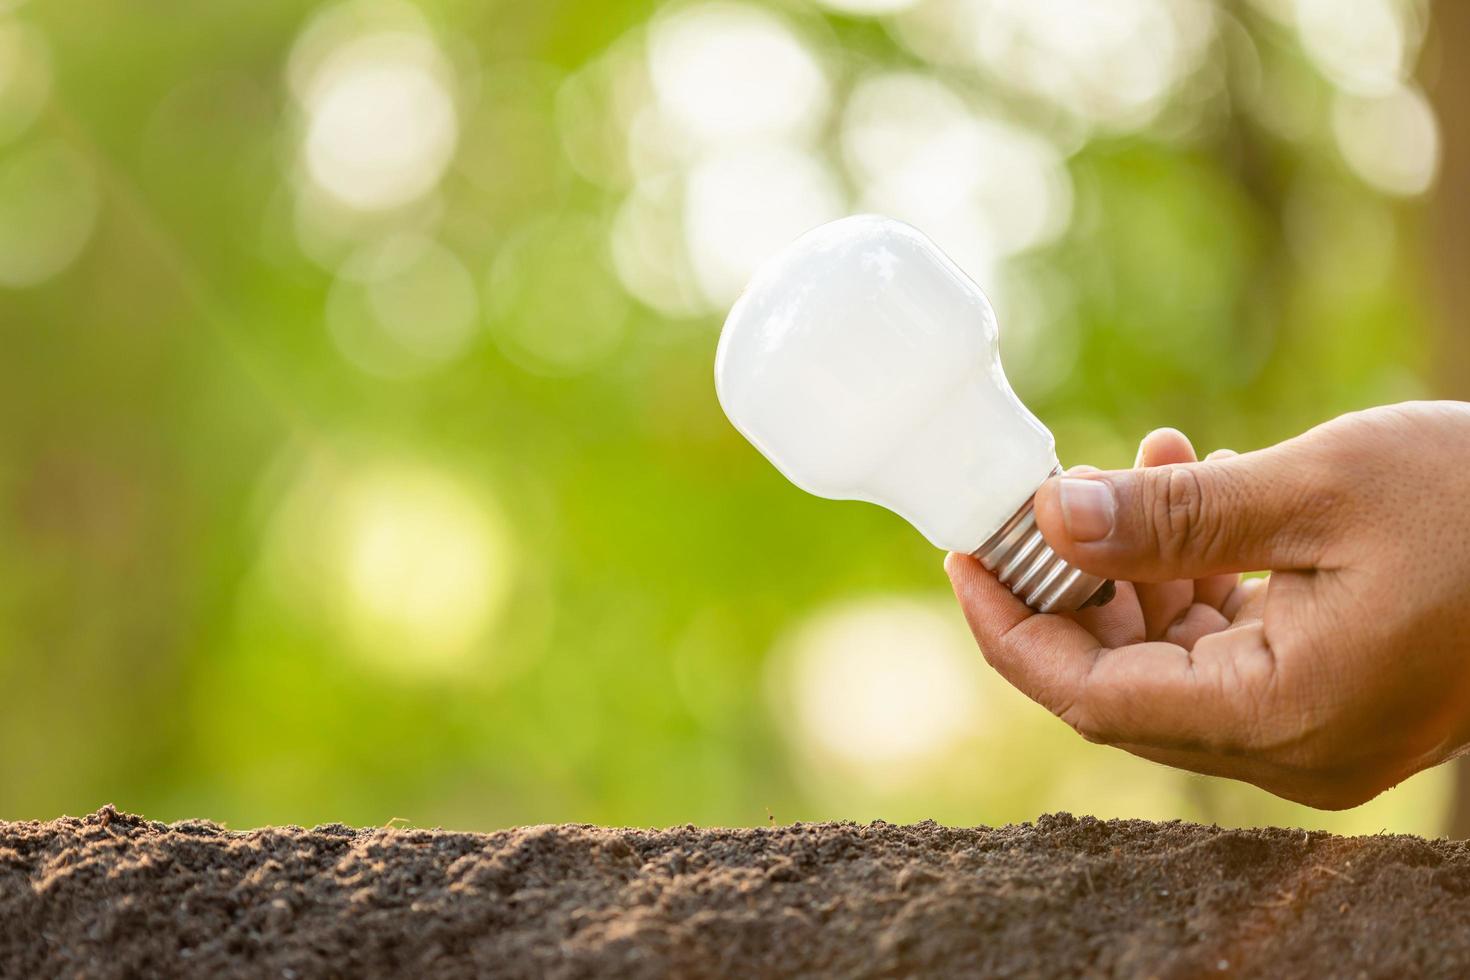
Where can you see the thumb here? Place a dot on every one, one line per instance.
(1261, 510)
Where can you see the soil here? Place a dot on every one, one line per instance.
(114, 895)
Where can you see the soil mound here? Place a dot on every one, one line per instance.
(114, 895)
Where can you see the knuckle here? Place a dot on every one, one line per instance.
(1184, 498)
(1181, 513)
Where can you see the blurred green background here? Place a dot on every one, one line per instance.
(359, 453)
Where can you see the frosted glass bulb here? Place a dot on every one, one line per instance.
(864, 364)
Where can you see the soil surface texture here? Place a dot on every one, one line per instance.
(114, 895)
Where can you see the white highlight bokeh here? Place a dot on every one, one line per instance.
(1113, 65)
(879, 688)
(868, 8)
(1391, 141)
(982, 187)
(720, 121)
(728, 73)
(381, 121)
(742, 207)
(1361, 45)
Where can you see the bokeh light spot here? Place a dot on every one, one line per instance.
(879, 687)
(25, 77)
(1359, 44)
(402, 306)
(49, 201)
(720, 142)
(590, 114)
(868, 8)
(648, 248)
(422, 567)
(1110, 64)
(1391, 141)
(381, 121)
(890, 116)
(729, 73)
(555, 303)
(740, 208)
(983, 187)
(407, 563)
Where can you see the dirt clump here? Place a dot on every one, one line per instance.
(115, 895)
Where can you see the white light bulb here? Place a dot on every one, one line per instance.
(863, 363)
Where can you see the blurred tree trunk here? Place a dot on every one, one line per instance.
(1448, 71)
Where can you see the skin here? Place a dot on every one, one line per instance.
(1343, 673)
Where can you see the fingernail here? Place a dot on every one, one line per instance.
(1087, 509)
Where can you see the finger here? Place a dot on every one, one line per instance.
(1162, 695)
(1197, 622)
(1212, 590)
(1155, 694)
(1164, 602)
(1163, 446)
(1117, 624)
(1248, 601)
(1119, 621)
(1259, 510)
(1046, 657)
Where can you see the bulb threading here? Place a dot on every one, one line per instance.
(1020, 557)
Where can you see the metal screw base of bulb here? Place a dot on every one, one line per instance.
(1020, 557)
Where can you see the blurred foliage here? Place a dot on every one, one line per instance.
(290, 538)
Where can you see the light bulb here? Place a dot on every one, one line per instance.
(864, 364)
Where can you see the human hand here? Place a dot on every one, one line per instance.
(1339, 676)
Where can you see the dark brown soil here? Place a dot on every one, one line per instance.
(113, 895)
